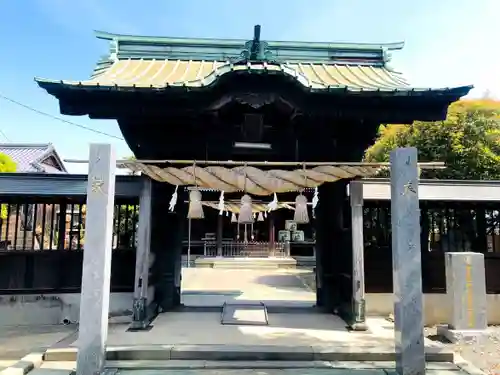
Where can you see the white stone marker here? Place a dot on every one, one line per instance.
(406, 263)
(96, 274)
(466, 293)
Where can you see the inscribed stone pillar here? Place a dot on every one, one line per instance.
(406, 263)
(466, 293)
(96, 274)
(358, 266)
(142, 261)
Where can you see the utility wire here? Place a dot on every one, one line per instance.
(56, 118)
(4, 135)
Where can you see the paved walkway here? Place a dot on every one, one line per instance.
(17, 341)
(213, 287)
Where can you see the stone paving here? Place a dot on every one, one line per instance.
(17, 341)
(213, 287)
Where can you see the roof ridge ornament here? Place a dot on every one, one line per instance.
(387, 58)
(255, 50)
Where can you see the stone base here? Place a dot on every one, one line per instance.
(245, 263)
(456, 335)
(358, 326)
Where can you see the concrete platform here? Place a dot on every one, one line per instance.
(246, 263)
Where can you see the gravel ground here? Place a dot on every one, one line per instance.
(484, 353)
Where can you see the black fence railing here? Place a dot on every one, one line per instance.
(42, 245)
(445, 227)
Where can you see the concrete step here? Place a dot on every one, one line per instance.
(250, 353)
(246, 265)
(263, 365)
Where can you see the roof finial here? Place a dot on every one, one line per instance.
(256, 33)
(255, 49)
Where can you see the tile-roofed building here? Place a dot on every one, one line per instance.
(34, 157)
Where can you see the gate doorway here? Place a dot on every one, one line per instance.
(267, 262)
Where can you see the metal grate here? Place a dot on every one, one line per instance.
(245, 249)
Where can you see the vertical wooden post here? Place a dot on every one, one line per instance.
(220, 223)
(358, 266)
(406, 263)
(96, 274)
(142, 263)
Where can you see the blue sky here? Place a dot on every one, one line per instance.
(448, 43)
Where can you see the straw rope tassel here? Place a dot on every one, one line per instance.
(246, 212)
(301, 216)
(195, 210)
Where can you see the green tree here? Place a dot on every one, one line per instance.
(7, 165)
(468, 141)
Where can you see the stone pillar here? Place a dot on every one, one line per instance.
(140, 318)
(96, 274)
(358, 263)
(466, 293)
(406, 263)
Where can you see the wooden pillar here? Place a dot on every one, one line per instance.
(167, 230)
(96, 274)
(407, 263)
(272, 233)
(220, 227)
(358, 264)
(140, 318)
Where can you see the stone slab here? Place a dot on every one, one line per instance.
(244, 314)
(466, 290)
(455, 335)
(51, 371)
(25, 365)
(253, 353)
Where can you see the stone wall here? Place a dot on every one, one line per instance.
(54, 308)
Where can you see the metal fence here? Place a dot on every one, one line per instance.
(48, 226)
(42, 243)
(445, 226)
(245, 249)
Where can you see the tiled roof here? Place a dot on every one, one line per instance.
(158, 63)
(30, 157)
(165, 73)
